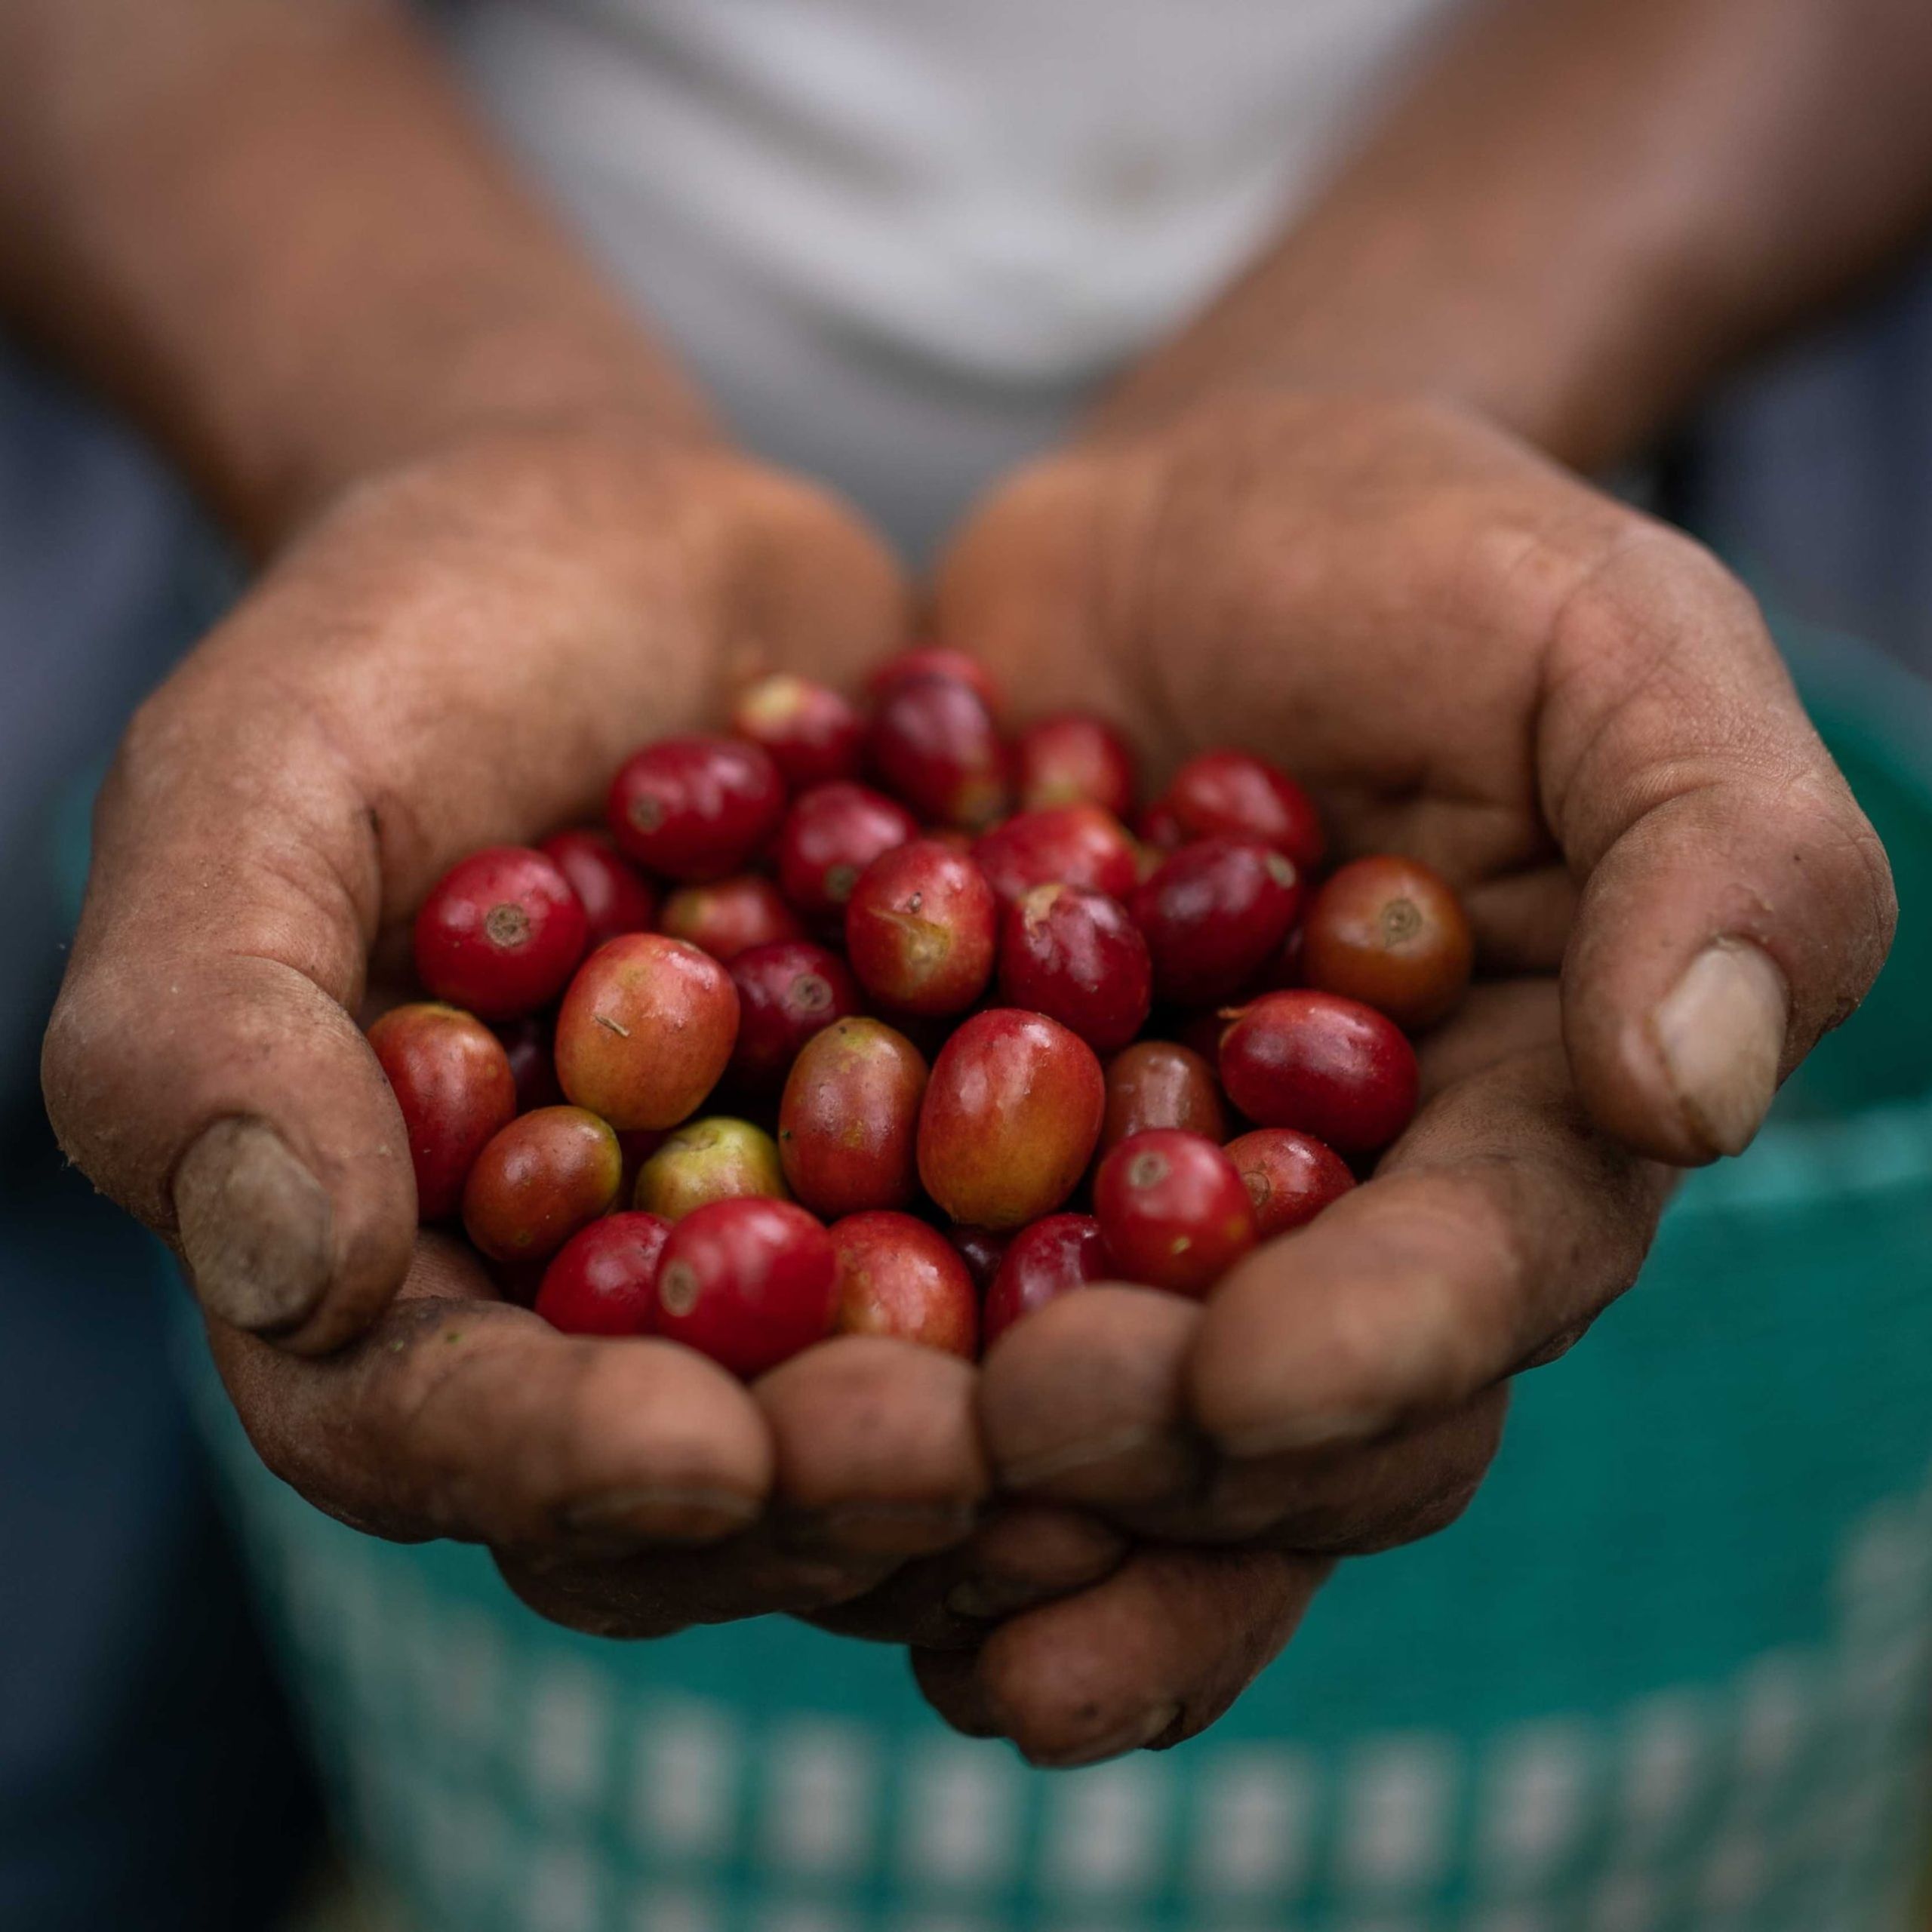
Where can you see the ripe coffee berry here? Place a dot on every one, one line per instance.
(717, 1158)
(920, 929)
(539, 1179)
(527, 1042)
(1233, 795)
(848, 1122)
(1330, 1066)
(1042, 1262)
(831, 835)
(1173, 1211)
(452, 1081)
(603, 1280)
(1074, 955)
(899, 1277)
(729, 917)
(1213, 914)
(1390, 932)
(933, 745)
(1291, 1177)
(1066, 845)
(1010, 1118)
(645, 1030)
(749, 1283)
(787, 994)
(935, 661)
(1158, 1083)
(696, 808)
(811, 733)
(499, 932)
(614, 899)
(982, 1250)
(1074, 759)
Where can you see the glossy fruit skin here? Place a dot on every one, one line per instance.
(527, 1042)
(1213, 914)
(1157, 826)
(982, 1250)
(808, 730)
(749, 1283)
(831, 835)
(848, 1123)
(1010, 1118)
(788, 993)
(603, 1280)
(644, 1031)
(615, 898)
(921, 929)
(936, 661)
(1160, 1082)
(1234, 794)
(540, 1179)
(1074, 955)
(453, 1082)
(730, 916)
(899, 1277)
(717, 1158)
(1073, 759)
(1291, 1177)
(1330, 1066)
(1173, 1210)
(1065, 845)
(1391, 933)
(499, 932)
(695, 808)
(1042, 1262)
(932, 745)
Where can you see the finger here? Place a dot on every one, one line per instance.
(1737, 902)
(1149, 1657)
(1500, 1225)
(460, 1416)
(1020, 1556)
(442, 665)
(877, 1447)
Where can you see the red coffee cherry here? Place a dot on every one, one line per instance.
(1234, 794)
(920, 929)
(831, 834)
(810, 732)
(1174, 1211)
(1073, 759)
(935, 661)
(540, 1179)
(848, 1123)
(899, 1277)
(1042, 1262)
(696, 808)
(1213, 914)
(933, 745)
(527, 1042)
(1330, 1066)
(645, 1030)
(1010, 1118)
(1067, 845)
(1391, 933)
(453, 1082)
(787, 994)
(499, 932)
(1291, 1177)
(730, 916)
(1074, 955)
(982, 1250)
(1159, 1083)
(603, 1280)
(614, 898)
(749, 1283)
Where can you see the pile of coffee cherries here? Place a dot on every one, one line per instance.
(870, 1020)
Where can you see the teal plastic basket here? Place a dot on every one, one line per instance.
(1670, 1671)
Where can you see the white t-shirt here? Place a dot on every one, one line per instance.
(901, 239)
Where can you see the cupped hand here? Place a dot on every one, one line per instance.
(1576, 714)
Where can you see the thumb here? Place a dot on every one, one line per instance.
(1736, 903)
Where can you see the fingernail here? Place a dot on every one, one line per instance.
(1132, 1737)
(662, 1514)
(1720, 1031)
(255, 1227)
